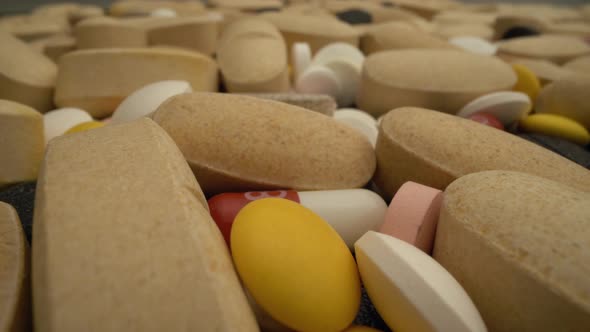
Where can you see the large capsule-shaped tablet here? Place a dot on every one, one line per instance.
(295, 265)
(266, 144)
(557, 49)
(399, 35)
(444, 80)
(568, 96)
(434, 149)
(519, 246)
(109, 32)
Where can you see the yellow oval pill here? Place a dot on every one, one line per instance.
(361, 329)
(85, 126)
(556, 125)
(527, 82)
(295, 265)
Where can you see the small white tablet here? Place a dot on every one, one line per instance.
(318, 80)
(348, 78)
(507, 106)
(475, 45)
(340, 51)
(301, 57)
(58, 121)
(360, 121)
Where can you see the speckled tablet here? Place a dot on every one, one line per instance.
(323, 104)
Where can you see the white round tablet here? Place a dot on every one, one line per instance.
(58, 121)
(360, 121)
(506, 106)
(163, 12)
(348, 78)
(147, 99)
(301, 55)
(318, 80)
(339, 51)
(475, 45)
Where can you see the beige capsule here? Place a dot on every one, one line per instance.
(452, 30)
(399, 35)
(567, 96)
(557, 49)
(434, 149)
(252, 57)
(240, 143)
(26, 76)
(86, 78)
(519, 246)
(31, 27)
(444, 80)
(323, 104)
(15, 302)
(109, 32)
(124, 239)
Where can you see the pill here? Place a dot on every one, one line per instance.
(579, 65)
(573, 29)
(319, 103)
(301, 58)
(411, 291)
(253, 60)
(55, 46)
(342, 158)
(318, 80)
(487, 119)
(568, 97)
(248, 5)
(475, 45)
(85, 77)
(147, 99)
(339, 51)
(15, 302)
(426, 9)
(84, 12)
(507, 106)
(21, 134)
(58, 121)
(30, 27)
(555, 125)
(351, 212)
(527, 81)
(517, 241)
(449, 31)
(348, 78)
(415, 144)
(399, 35)
(545, 71)
(412, 215)
(562, 147)
(145, 8)
(291, 238)
(26, 76)
(557, 49)
(459, 16)
(359, 120)
(85, 126)
(163, 12)
(109, 32)
(444, 80)
(160, 264)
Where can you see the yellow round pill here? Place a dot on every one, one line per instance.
(527, 82)
(361, 329)
(556, 125)
(85, 126)
(295, 265)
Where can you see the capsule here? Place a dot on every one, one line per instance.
(351, 212)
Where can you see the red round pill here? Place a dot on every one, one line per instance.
(487, 119)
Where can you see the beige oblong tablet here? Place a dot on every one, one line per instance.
(26, 76)
(98, 80)
(434, 149)
(464, 29)
(557, 49)
(444, 80)
(144, 7)
(568, 97)
(399, 35)
(519, 245)
(323, 104)
(108, 32)
(546, 71)
(252, 57)
(15, 302)
(124, 240)
(22, 142)
(580, 65)
(266, 144)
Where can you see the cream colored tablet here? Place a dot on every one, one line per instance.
(301, 58)
(26, 76)
(319, 103)
(108, 32)
(296, 148)
(252, 57)
(459, 16)
(247, 5)
(475, 45)
(145, 7)
(546, 71)
(318, 80)
(574, 29)
(31, 27)
(87, 78)
(54, 46)
(567, 96)
(519, 245)
(506, 106)
(399, 35)
(425, 8)
(410, 290)
(557, 49)
(147, 99)
(416, 144)
(15, 302)
(83, 12)
(360, 121)
(579, 65)
(57, 122)
(163, 12)
(449, 31)
(444, 80)
(21, 134)
(133, 244)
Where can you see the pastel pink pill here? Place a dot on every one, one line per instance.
(487, 119)
(413, 214)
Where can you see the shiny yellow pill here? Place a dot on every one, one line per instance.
(84, 126)
(527, 82)
(556, 125)
(295, 265)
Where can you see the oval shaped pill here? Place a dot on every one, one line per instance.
(487, 119)
(434, 149)
(339, 51)
(527, 82)
(555, 125)
(301, 58)
(58, 121)
(295, 265)
(507, 106)
(85, 126)
(580, 65)
(410, 290)
(568, 96)
(360, 121)
(399, 35)
(475, 45)
(444, 80)
(557, 49)
(295, 148)
(519, 244)
(545, 71)
(109, 32)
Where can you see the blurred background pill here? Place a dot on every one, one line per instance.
(555, 125)
(486, 119)
(58, 121)
(506, 106)
(359, 120)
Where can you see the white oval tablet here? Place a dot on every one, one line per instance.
(359, 120)
(58, 121)
(146, 100)
(318, 80)
(340, 51)
(301, 57)
(348, 78)
(475, 45)
(507, 106)
(410, 290)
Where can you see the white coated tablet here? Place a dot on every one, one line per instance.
(507, 106)
(348, 78)
(340, 51)
(356, 122)
(301, 56)
(57, 122)
(410, 290)
(318, 80)
(475, 45)
(163, 12)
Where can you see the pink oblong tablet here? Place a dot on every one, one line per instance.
(413, 214)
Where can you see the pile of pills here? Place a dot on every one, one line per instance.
(311, 166)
